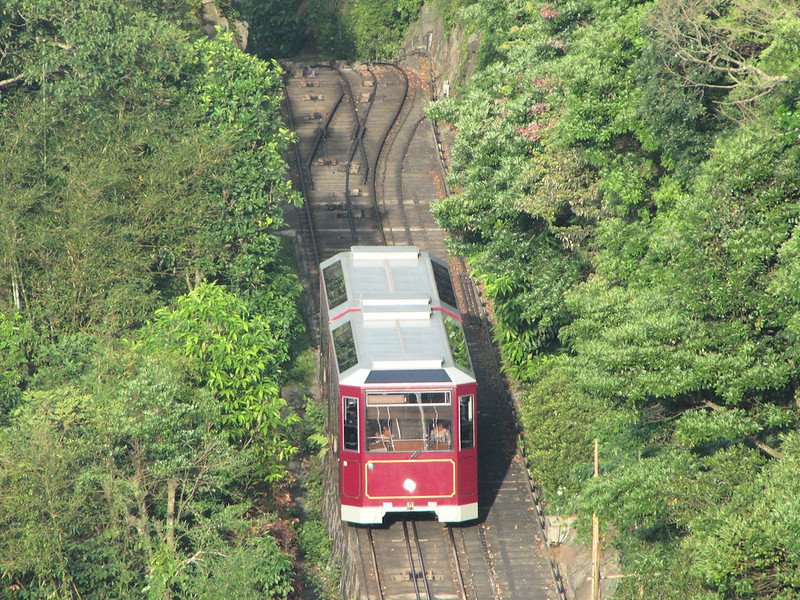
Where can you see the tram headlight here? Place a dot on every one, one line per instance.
(410, 485)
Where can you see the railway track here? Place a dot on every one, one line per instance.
(370, 166)
(414, 560)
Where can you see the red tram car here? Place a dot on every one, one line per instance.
(401, 386)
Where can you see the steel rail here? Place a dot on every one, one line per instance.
(370, 104)
(400, 125)
(303, 187)
(358, 140)
(322, 135)
(399, 178)
(413, 571)
(323, 131)
(487, 557)
(375, 568)
(360, 122)
(345, 85)
(462, 588)
(422, 568)
(364, 124)
(404, 98)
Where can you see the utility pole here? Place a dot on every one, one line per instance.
(596, 536)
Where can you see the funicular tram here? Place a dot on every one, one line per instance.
(401, 382)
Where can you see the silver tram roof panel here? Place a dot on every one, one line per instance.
(375, 276)
(388, 300)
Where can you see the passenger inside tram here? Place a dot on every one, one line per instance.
(440, 438)
(383, 440)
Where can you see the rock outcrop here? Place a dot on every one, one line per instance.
(453, 53)
(212, 17)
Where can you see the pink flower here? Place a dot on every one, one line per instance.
(538, 108)
(532, 131)
(548, 12)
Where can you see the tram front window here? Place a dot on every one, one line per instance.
(401, 421)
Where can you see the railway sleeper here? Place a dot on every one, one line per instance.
(357, 214)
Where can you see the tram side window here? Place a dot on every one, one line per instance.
(350, 412)
(444, 285)
(335, 288)
(345, 347)
(466, 418)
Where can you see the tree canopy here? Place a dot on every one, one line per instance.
(628, 189)
(143, 439)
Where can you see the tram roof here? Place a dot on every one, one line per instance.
(392, 315)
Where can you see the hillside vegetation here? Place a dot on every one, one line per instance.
(147, 308)
(628, 186)
(333, 29)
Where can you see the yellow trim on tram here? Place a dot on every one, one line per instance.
(416, 461)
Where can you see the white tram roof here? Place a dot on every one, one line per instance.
(389, 313)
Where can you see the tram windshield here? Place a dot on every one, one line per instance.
(409, 421)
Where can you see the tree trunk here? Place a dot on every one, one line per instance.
(108, 492)
(16, 276)
(142, 521)
(172, 486)
(198, 279)
(11, 80)
(15, 290)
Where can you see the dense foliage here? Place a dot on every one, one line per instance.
(147, 307)
(628, 187)
(363, 29)
(331, 29)
(277, 27)
(120, 197)
(101, 498)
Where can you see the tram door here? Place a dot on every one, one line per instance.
(468, 454)
(350, 464)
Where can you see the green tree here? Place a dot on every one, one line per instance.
(748, 547)
(48, 507)
(139, 159)
(627, 188)
(365, 29)
(378, 27)
(192, 186)
(238, 356)
(130, 488)
(16, 344)
(249, 190)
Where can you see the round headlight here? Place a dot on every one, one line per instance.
(409, 485)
